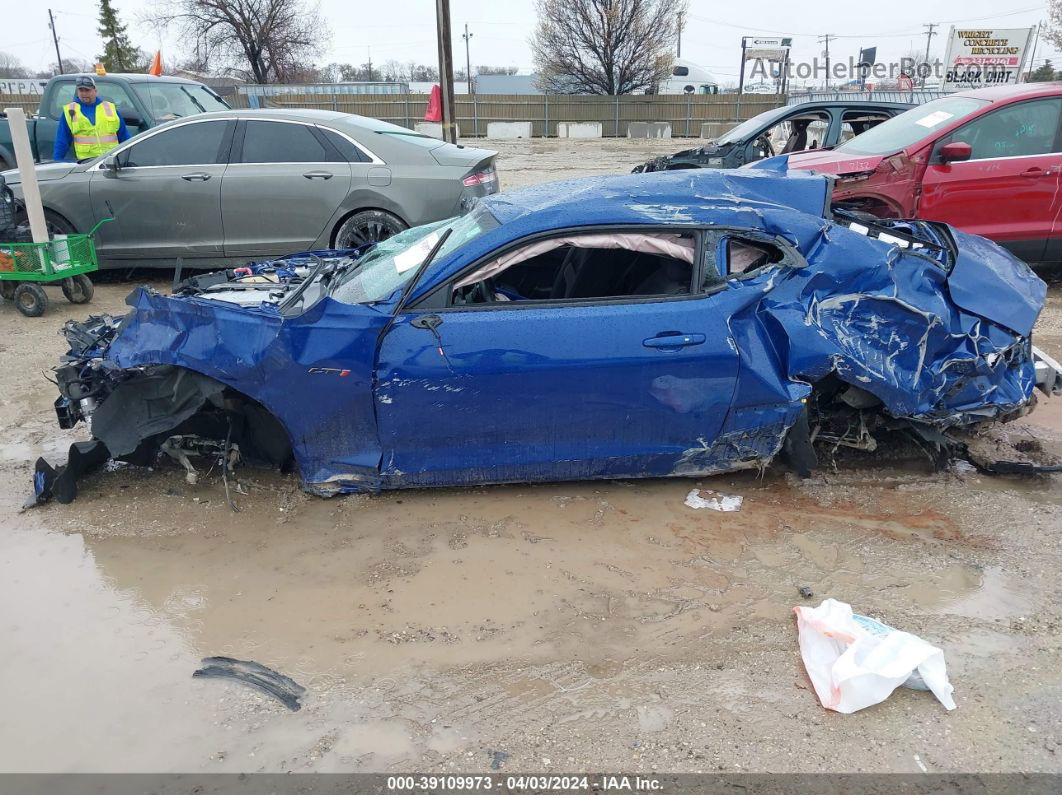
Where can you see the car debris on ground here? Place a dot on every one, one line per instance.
(283, 688)
(713, 500)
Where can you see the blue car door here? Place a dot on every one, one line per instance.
(563, 387)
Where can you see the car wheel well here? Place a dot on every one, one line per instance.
(22, 219)
(347, 216)
(223, 414)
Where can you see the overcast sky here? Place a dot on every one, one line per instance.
(404, 29)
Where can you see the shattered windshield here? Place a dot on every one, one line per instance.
(908, 128)
(394, 261)
(750, 126)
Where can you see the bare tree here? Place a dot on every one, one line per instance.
(10, 66)
(1053, 33)
(393, 71)
(604, 46)
(71, 65)
(497, 70)
(266, 40)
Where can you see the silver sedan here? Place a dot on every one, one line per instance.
(225, 187)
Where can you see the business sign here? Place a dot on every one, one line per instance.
(979, 58)
(767, 49)
(26, 86)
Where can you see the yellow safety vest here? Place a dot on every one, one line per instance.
(93, 140)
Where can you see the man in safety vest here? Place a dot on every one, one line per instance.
(91, 124)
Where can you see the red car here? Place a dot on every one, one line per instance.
(987, 162)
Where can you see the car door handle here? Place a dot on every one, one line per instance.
(1034, 172)
(318, 175)
(199, 176)
(674, 340)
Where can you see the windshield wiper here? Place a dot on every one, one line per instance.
(194, 100)
(421, 268)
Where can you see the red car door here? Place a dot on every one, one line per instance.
(1008, 189)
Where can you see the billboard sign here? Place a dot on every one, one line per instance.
(23, 86)
(774, 50)
(980, 58)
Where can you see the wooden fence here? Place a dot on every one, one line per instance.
(28, 102)
(685, 113)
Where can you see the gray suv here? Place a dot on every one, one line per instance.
(224, 187)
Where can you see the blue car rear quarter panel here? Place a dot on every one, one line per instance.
(882, 318)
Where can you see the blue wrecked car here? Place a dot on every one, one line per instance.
(676, 324)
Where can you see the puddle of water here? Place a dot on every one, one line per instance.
(995, 597)
(369, 593)
(384, 739)
(87, 667)
(589, 572)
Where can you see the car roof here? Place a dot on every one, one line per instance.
(820, 104)
(303, 114)
(669, 197)
(1021, 91)
(131, 77)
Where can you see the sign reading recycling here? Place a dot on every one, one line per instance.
(980, 58)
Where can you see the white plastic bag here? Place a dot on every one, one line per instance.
(855, 661)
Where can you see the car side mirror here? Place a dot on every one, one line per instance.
(131, 118)
(955, 151)
(110, 166)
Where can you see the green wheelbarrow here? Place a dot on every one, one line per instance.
(25, 268)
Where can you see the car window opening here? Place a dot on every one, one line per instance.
(857, 122)
(582, 267)
(745, 256)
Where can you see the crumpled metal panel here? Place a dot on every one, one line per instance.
(314, 372)
(932, 349)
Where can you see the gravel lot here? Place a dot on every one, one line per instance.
(563, 627)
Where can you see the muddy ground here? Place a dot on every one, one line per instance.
(563, 627)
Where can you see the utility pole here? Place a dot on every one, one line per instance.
(681, 22)
(468, 60)
(826, 39)
(929, 37)
(1032, 57)
(55, 38)
(369, 51)
(446, 70)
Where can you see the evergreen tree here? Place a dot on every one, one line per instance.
(119, 54)
(1044, 74)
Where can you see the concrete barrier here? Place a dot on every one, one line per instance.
(714, 129)
(579, 129)
(509, 129)
(648, 129)
(432, 128)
